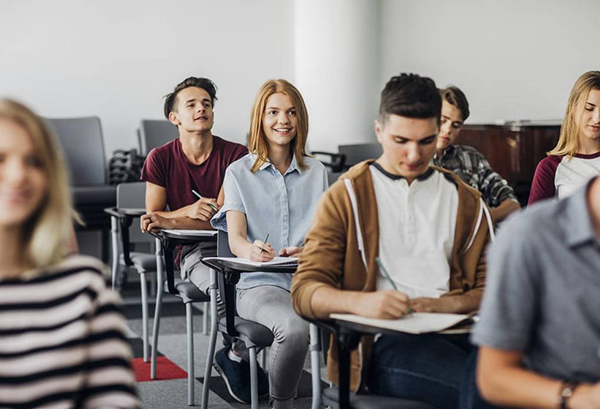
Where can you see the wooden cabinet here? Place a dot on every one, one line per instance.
(513, 150)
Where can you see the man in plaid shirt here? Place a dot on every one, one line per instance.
(470, 165)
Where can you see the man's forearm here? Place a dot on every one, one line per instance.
(184, 222)
(460, 304)
(504, 209)
(328, 300)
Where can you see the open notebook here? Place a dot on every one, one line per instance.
(415, 323)
(277, 261)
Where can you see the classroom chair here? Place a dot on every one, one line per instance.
(154, 133)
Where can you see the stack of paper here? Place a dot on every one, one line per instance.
(277, 261)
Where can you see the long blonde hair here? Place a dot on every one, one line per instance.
(568, 142)
(48, 231)
(257, 143)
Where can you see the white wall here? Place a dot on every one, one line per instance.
(116, 59)
(514, 59)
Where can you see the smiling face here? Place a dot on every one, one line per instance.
(451, 123)
(23, 182)
(408, 144)
(589, 124)
(280, 121)
(193, 111)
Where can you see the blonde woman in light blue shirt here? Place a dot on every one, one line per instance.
(273, 191)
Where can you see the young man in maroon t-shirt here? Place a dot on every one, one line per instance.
(197, 160)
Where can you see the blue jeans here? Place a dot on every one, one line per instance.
(428, 368)
(470, 398)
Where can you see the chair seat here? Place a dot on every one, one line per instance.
(189, 292)
(252, 333)
(142, 262)
(331, 395)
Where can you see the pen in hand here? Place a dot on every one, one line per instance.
(200, 197)
(387, 275)
(264, 242)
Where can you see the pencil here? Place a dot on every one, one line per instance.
(387, 275)
(200, 197)
(264, 242)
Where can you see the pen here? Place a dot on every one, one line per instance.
(264, 242)
(387, 275)
(200, 197)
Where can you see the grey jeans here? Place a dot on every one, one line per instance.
(272, 307)
(199, 274)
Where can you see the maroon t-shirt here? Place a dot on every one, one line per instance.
(168, 167)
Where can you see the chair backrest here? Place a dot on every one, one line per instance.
(223, 249)
(133, 195)
(358, 152)
(83, 146)
(155, 133)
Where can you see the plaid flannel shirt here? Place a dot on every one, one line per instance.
(472, 167)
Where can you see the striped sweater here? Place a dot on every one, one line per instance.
(62, 340)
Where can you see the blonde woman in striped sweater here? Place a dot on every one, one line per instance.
(62, 342)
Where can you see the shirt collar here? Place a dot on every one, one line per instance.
(578, 222)
(293, 165)
(422, 177)
(448, 151)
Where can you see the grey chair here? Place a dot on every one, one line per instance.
(254, 335)
(83, 146)
(358, 152)
(126, 232)
(154, 133)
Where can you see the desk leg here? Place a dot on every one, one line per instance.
(344, 371)
(214, 319)
(160, 280)
(114, 230)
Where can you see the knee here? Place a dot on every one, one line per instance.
(292, 329)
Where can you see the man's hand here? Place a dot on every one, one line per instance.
(153, 221)
(388, 304)
(425, 304)
(203, 209)
(290, 252)
(261, 251)
(586, 397)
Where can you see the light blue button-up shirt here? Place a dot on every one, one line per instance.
(281, 206)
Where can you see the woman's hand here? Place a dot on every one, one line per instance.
(290, 252)
(261, 251)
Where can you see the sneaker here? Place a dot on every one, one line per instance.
(237, 377)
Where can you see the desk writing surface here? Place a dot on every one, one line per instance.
(416, 323)
(184, 232)
(277, 261)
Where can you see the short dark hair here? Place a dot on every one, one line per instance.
(411, 96)
(204, 83)
(454, 96)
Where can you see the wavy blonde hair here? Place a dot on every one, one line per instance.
(47, 232)
(568, 142)
(257, 140)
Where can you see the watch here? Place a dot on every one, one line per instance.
(566, 391)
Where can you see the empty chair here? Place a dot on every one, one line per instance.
(358, 152)
(154, 133)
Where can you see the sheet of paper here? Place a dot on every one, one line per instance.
(182, 232)
(416, 323)
(277, 261)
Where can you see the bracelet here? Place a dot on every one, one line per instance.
(567, 388)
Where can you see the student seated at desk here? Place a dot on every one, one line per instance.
(576, 157)
(429, 229)
(62, 336)
(470, 165)
(195, 161)
(273, 191)
(539, 332)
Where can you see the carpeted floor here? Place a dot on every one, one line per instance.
(169, 390)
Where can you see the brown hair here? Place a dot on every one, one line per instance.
(454, 96)
(568, 142)
(199, 82)
(257, 143)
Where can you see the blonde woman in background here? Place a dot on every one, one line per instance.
(576, 157)
(62, 338)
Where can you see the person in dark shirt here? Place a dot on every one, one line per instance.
(469, 164)
(195, 161)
